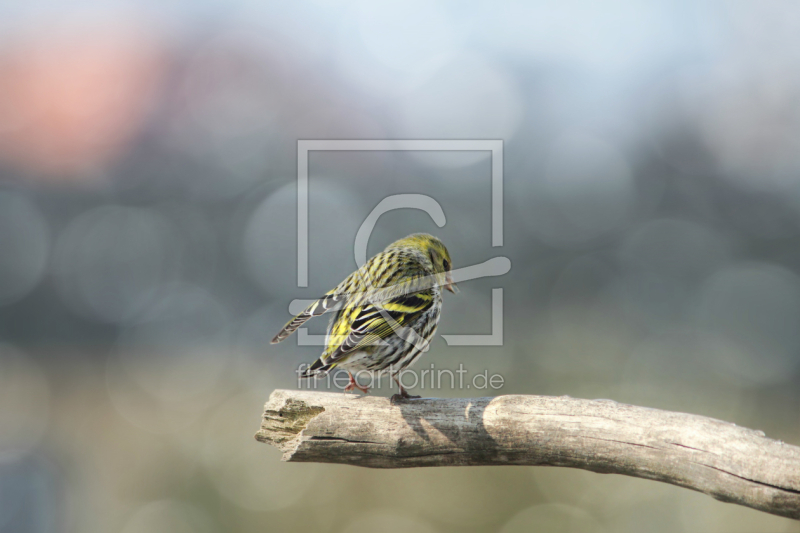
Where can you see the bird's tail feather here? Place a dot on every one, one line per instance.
(318, 368)
(319, 307)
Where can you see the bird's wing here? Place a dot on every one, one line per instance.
(368, 323)
(377, 280)
(348, 290)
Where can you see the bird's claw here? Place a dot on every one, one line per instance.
(354, 385)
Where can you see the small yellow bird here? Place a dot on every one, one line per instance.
(386, 312)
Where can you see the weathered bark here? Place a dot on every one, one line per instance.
(730, 463)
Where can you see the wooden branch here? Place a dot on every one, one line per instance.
(730, 463)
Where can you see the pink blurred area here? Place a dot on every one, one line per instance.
(74, 96)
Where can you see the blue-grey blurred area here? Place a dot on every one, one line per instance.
(148, 244)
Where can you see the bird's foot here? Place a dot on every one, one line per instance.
(354, 385)
(363, 389)
(402, 396)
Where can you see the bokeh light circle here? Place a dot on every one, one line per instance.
(755, 306)
(25, 239)
(24, 403)
(108, 260)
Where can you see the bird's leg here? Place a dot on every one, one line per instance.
(354, 385)
(403, 394)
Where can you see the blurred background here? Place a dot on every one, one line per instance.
(148, 163)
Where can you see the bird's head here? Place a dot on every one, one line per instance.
(434, 249)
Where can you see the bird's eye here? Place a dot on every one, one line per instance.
(446, 265)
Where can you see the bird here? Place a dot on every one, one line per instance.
(384, 314)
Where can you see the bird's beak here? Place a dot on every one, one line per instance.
(450, 286)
